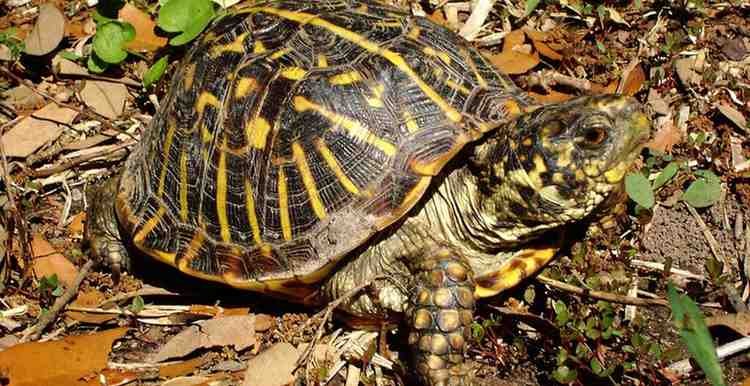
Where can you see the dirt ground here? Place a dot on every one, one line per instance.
(687, 61)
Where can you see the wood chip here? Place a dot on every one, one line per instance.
(734, 116)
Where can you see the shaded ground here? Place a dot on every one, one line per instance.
(693, 58)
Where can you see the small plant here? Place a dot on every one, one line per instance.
(185, 19)
(15, 45)
(50, 286)
(689, 321)
(704, 191)
(137, 305)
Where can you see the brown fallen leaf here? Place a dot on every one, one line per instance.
(48, 31)
(111, 377)
(35, 131)
(545, 50)
(75, 226)
(272, 367)
(552, 96)
(739, 322)
(47, 261)
(238, 331)
(145, 38)
(734, 116)
(89, 298)
(106, 98)
(61, 362)
(632, 80)
(666, 135)
(511, 60)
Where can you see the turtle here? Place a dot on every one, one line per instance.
(306, 148)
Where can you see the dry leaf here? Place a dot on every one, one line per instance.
(438, 18)
(75, 227)
(48, 31)
(22, 98)
(106, 98)
(36, 131)
(272, 367)
(685, 68)
(551, 97)
(238, 331)
(545, 50)
(734, 116)
(62, 66)
(666, 136)
(739, 322)
(632, 81)
(145, 38)
(89, 298)
(47, 261)
(62, 362)
(510, 60)
(598, 89)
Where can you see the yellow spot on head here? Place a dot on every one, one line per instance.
(257, 131)
(616, 174)
(286, 223)
(308, 180)
(345, 78)
(333, 163)
(245, 86)
(293, 73)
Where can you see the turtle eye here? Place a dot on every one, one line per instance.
(594, 136)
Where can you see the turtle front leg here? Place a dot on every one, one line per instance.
(440, 316)
(102, 228)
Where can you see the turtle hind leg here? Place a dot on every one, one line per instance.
(102, 228)
(439, 318)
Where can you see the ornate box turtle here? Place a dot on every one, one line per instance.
(306, 147)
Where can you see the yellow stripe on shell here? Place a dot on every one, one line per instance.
(293, 73)
(236, 46)
(308, 180)
(149, 225)
(256, 131)
(165, 158)
(245, 86)
(411, 122)
(354, 128)
(444, 57)
(286, 223)
(474, 69)
(252, 216)
(397, 60)
(183, 186)
(458, 87)
(206, 99)
(333, 163)
(345, 78)
(322, 61)
(221, 195)
(258, 47)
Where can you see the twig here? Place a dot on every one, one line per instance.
(712, 243)
(601, 295)
(326, 314)
(683, 368)
(476, 20)
(67, 164)
(35, 331)
(660, 267)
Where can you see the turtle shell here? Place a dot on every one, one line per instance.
(294, 131)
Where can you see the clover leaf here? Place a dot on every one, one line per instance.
(186, 17)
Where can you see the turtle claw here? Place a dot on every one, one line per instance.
(102, 229)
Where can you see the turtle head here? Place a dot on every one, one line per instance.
(559, 163)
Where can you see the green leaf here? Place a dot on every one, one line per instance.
(689, 320)
(186, 17)
(564, 374)
(666, 174)
(96, 65)
(70, 55)
(137, 305)
(561, 312)
(639, 189)
(704, 191)
(110, 39)
(155, 72)
(531, 6)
